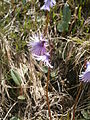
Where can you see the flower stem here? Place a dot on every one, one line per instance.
(48, 76)
(76, 100)
(47, 21)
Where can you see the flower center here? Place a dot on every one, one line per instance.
(42, 43)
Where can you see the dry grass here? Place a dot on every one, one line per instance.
(69, 53)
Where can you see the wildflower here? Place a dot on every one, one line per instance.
(38, 49)
(48, 4)
(44, 58)
(85, 76)
(38, 45)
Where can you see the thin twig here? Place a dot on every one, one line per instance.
(76, 100)
(10, 110)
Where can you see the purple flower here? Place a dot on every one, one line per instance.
(48, 4)
(85, 76)
(38, 49)
(44, 58)
(37, 45)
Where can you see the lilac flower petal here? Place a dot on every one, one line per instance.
(44, 58)
(48, 4)
(45, 7)
(85, 76)
(88, 64)
(38, 49)
(46, 1)
(52, 3)
(38, 46)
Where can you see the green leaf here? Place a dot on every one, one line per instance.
(16, 77)
(78, 40)
(53, 74)
(24, 2)
(62, 26)
(66, 13)
(66, 17)
(21, 97)
(45, 69)
(25, 69)
(14, 118)
(79, 13)
(68, 116)
(85, 114)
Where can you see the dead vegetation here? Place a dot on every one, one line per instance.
(23, 79)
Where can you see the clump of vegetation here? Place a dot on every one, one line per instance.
(44, 85)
